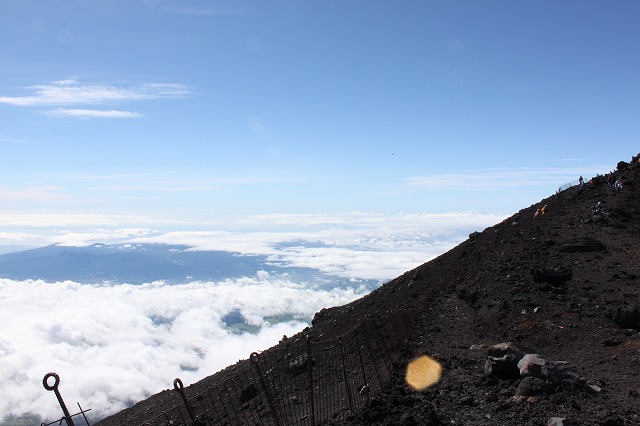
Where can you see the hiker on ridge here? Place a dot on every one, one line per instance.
(618, 185)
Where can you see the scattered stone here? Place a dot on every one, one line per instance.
(298, 364)
(560, 421)
(594, 388)
(531, 365)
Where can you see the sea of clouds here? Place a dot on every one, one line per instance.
(114, 345)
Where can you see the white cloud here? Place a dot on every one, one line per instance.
(360, 245)
(71, 92)
(64, 93)
(368, 246)
(91, 113)
(112, 345)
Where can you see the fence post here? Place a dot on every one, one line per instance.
(344, 373)
(255, 359)
(365, 385)
(54, 388)
(311, 385)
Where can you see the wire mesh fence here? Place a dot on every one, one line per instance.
(300, 382)
(568, 185)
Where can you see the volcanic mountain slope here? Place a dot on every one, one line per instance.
(565, 285)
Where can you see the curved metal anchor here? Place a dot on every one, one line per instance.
(178, 386)
(54, 388)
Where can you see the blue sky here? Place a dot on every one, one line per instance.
(175, 113)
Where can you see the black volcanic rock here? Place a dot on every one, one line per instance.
(582, 244)
(482, 293)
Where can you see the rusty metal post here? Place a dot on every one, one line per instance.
(178, 386)
(54, 388)
(344, 373)
(311, 385)
(82, 412)
(255, 359)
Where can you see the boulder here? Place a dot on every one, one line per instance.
(531, 386)
(553, 276)
(622, 165)
(502, 360)
(582, 244)
(627, 317)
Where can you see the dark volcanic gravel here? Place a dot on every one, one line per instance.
(565, 285)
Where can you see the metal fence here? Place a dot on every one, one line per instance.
(299, 382)
(568, 185)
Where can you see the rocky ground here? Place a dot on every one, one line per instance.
(565, 286)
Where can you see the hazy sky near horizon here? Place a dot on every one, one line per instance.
(179, 112)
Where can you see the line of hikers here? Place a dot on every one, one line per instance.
(611, 181)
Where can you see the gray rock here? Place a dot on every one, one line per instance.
(502, 360)
(532, 365)
(560, 421)
(530, 386)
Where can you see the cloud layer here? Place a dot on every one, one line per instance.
(350, 245)
(113, 346)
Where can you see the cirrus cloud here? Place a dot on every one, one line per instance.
(65, 93)
(91, 113)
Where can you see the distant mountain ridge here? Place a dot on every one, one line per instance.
(142, 263)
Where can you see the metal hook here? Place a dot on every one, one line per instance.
(178, 386)
(54, 388)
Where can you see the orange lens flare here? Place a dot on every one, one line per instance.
(423, 372)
